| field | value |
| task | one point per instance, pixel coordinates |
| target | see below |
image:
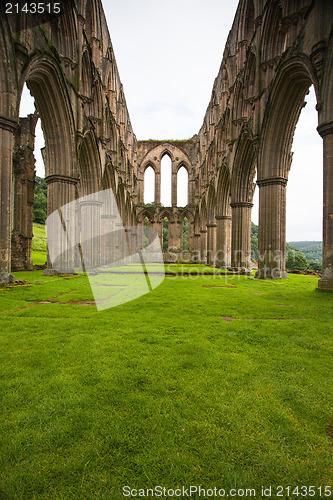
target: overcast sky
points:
(168, 55)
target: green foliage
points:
(254, 242)
(311, 249)
(299, 253)
(296, 261)
(40, 201)
(165, 234)
(164, 387)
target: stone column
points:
(197, 249)
(203, 245)
(272, 228)
(211, 243)
(173, 188)
(223, 241)
(91, 233)
(326, 282)
(24, 188)
(61, 229)
(157, 188)
(7, 128)
(108, 243)
(241, 234)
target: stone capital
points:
(325, 129)
(242, 204)
(223, 217)
(8, 124)
(272, 180)
(61, 178)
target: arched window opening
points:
(149, 186)
(182, 187)
(166, 181)
(30, 184)
(145, 232)
(255, 222)
(185, 233)
(165, 243)
(305, 182)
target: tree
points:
(254, 242)
(296, 262)
(40, 201)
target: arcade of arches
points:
(275, 51)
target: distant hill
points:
(311, 249)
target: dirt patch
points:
(228, 318)
(274, 319)
(227, 286)
(284, 305)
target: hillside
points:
(310, 250)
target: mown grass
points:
(38, 245)
(220, 380)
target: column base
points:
(242, 271)
(53, 272)
(6, 278)
(270, 274)
(325, 285)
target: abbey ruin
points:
(275, 51)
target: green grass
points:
(38, 246)
(166, 390)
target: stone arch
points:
(243, 170)
(223, 219)
(166, 151)
(67, 34)
(247, 21)
(242, 189)
(280, 120)
(143, 214)
(250, 77)
(211, 225)
(45, 82)
(273, 37)
(91, 20)
(89, 165)
(86, 75)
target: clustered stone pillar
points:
(241, 234)
(157, 196)
(272, 228)
(223, 241)
(326, 282)
(211, 243)
(203, 245)
(174, 189)
(7, 128)
(91, 232)
(61, 230)
(24, 188)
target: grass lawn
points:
(218, 381)
(38, 246)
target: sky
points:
(168, 55)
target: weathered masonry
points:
(275, 51)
